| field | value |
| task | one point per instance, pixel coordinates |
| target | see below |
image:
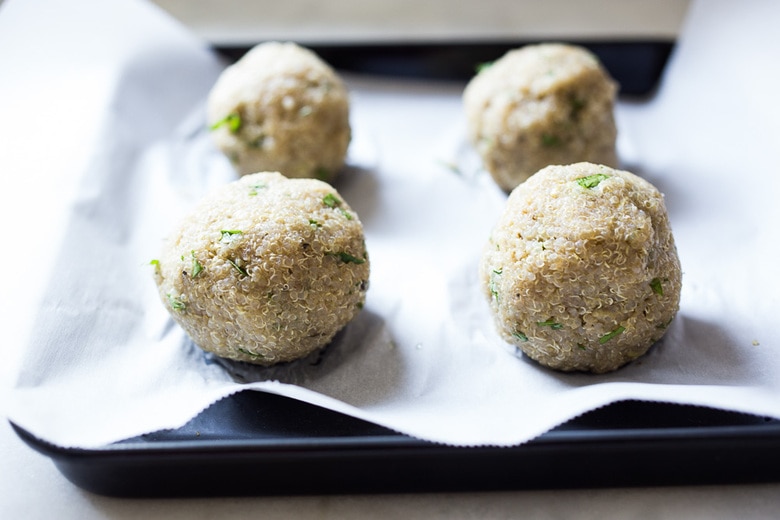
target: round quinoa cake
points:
(281, 108)
(581, 270)
(265, 269)
(539, 105)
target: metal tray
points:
(636, 65)
(254, 443)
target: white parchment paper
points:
(104, 361)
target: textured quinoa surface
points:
(540, 105)
(581, 271)
(266, 269)
(281, 108)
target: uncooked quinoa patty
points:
(541, 105)
(281, 108)
(266, 269)
(581, 270)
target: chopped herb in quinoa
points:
(550, 323)
(232, 121)
(228, 235)
(519, 335)
(591, 181)
(175, 303)
(655, 285)
(348, 258)
(197, 267)
(238, 268)
(610, 335)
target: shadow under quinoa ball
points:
(538, 105)
(581, 270)
(281, 108)
(266, 269)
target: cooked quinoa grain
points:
(581, 270)
(281, 108)
(266, 269)
(541, 105)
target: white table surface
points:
(31, 487)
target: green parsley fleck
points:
(493, 286)
(248, 353)
(228, 235)
(322, 173)
(608, 336)
(156, 264)
(483, 66)
(175, 303)
(255, 187)
(347, 258)
(519, 335)
(315, 223)
(591, 181)
(331, 200)
(576, 107)
(238, 268)
(554, 325)
(550, 140)
(232, 121)
(197, 268)
(655, 285)
(581, 346)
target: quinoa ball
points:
(581, 270)
(265, 269)
(281, 108)
(541, 105)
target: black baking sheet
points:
(255, 443)
(636, 65)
